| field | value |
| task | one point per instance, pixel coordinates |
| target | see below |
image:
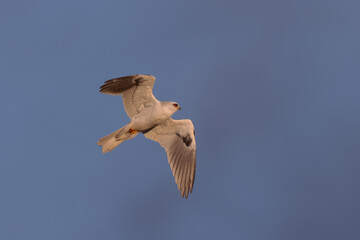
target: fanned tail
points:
(114, 139)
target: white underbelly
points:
(145, 120)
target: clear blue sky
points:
(273, 89)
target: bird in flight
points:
(152, 118)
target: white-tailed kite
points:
(153, 118)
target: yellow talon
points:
(132, 131)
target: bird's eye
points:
(175, 105)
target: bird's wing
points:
(178, 139)
(136, 91)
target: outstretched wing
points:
(136, 91)
(178, 139)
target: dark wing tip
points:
(118, 85)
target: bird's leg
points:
(132, 131)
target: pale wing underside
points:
(178, 139)
(136, 91)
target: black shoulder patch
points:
(139, 81)
(186, 139)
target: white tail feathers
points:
(114, 139)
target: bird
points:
(152, 118)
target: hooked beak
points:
(179, 108)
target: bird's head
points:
(172, 107)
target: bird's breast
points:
(147, 119)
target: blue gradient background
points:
(271, 86)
